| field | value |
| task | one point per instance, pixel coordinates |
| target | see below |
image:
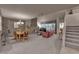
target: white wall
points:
(76, 9)
(51, 16)
(72, 20)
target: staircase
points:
(72, 37)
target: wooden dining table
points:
(20, 35)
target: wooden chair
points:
(25, 35)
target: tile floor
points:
(34, 45)
(68, 50)
(37, 45)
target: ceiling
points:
(28, 11)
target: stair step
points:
(72, 36)
(72, 45)
(73, 40)
(75, 34)
(72, 31)
(72, 26)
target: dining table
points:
(19, 34)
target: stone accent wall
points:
(27, 23)
(7, 24)
(34, 22)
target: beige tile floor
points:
(68, 50)
(37, 45)
(34, 45)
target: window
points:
(48, 26)
(17, 24)
(61, 25)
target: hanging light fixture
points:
(20, 22)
